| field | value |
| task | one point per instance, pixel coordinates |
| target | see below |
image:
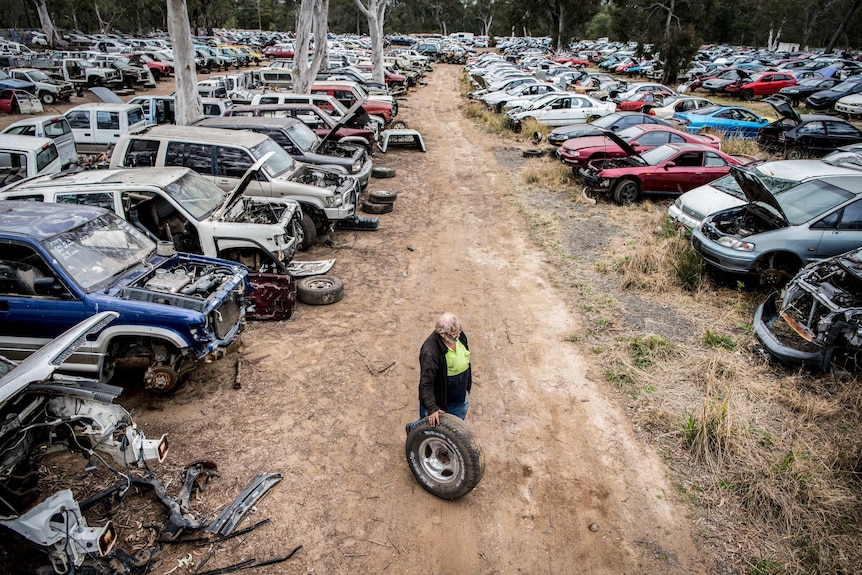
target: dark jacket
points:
(433, 371)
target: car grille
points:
(226, 316)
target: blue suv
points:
(60, 264)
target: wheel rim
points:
(319, 283)
(628, 192)
(438, 461)
(48, 98)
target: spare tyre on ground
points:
(319, 290)
(446, 460)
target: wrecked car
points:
(179, 207)
(45, 413)
(61, 263)
(668, 169)
(774, 235)
(817, 319)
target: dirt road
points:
(324, 397)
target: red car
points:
(671, 169)
(762, 84)
(643, 101)
(573, 61)
(278, 51)
(578, 152)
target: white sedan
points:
(850, 105)
(524, 92)
(561, 110)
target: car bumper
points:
(364, 174)
(682, 218)
(764, 320)
(848, 108)
(724, 259)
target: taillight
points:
(651, 112)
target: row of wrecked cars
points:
(794, 225)
(147, 270)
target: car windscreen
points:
(279, 163)
(628, 133)
(658, 155)
(302, 136)
(606, 121)
(809, 200)
(99, 249)
(197, 195)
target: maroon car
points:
(578, 152)
(669, 170)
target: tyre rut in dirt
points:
(382, 172)
(446, 460)
(309, 232)
(383, 196)
(377, 208)
(319, 290)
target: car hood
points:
(578, 131)
(582, 142)
(106, 95)
(233, 196)
(783, 108)
(754, 189)
(355, 116)
(624, 146)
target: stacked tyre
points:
(379, 202)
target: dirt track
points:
(324, 397)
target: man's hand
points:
(434, 418)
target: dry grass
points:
(763, 454)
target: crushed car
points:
(43, 413)
(817, 319)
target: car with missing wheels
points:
(670, 169)
(817, 318)
(62, 263)
(772, 236)
(797, 136)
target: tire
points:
(374, 208)
(627, 191)
(446, 460)
(746, 94)
(382, 197)
(97, 82)
(398, 125)
(309, 232)
(382, 172)
(794, 153)
(533, 153)
(319, 290)
(47, 98)
(156, 75)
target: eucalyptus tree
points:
(375, 13)
(313, 16)
(188, 100)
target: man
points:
(445, 378)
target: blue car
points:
(731, 121)
(62, 263)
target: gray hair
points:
(447, 323)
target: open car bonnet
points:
(355, 116)
(754, 189)
(624, 146)
(231, 198)
(106, 95)
(783, 107)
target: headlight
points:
(735, 244)
(572, 153)
(678, 204)
(603, 183)
(357, 165)
(334, 201)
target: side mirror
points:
(49, 286)
(669, 165)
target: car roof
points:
(37, 119)
(159, 177)
(256, 121)
(22, 143)
(800, 170)
(103, 106)
(40, 221)
(208, 135)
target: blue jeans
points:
(459, 411)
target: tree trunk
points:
(321, 30)
(560, 25)
(843, 26)
(301, 79)
(375, 13)
(188, 101)
(45, 21)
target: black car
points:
(610, 123)
(826, 99)
(806, 136)
(807, 87)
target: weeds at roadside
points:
(718, 341)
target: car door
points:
(840, 134)
(557, 112)
(841, 230)
(29, 316)
(687, 172)
(80, 121)
(812, 137)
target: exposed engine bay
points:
(323, 178)
(355, 152)
(744, 221)
(818, 318)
